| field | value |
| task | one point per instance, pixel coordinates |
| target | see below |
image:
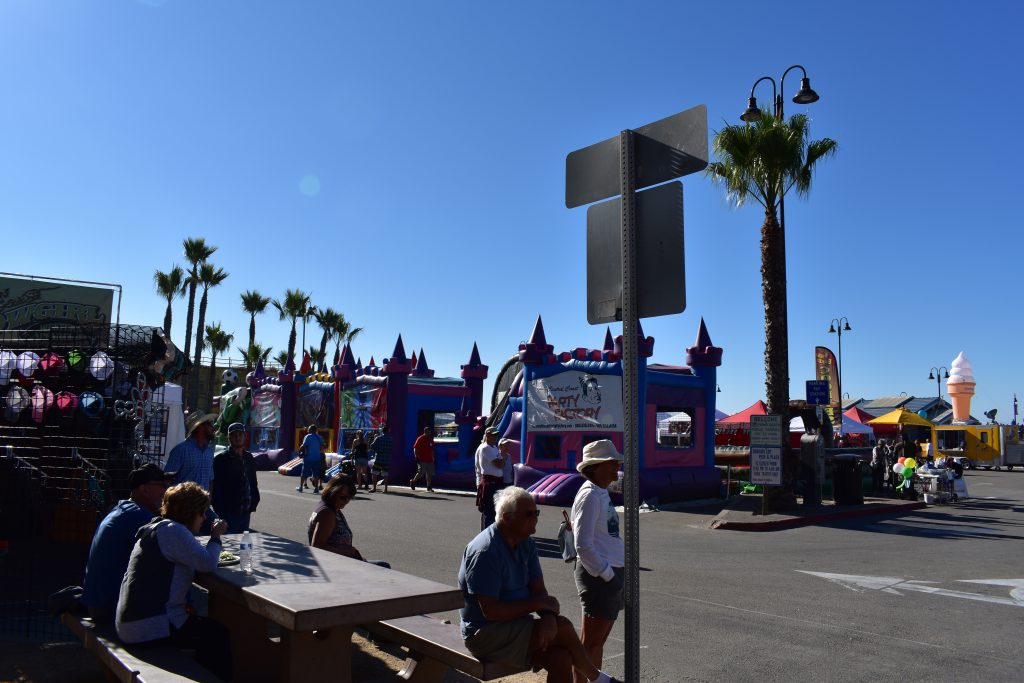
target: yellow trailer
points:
(988, 446)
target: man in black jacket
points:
(236, 493)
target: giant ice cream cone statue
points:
(961, 387)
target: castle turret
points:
(537, 350)
(422, 369)
(473, 374)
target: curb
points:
(792, 522)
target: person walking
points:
(311, 451)
(877, 466)
(508, 470)
(490, 470)
(423, 451)
(601, 554)
(236, 492)
(361, 457)
(382, 447)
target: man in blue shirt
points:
(115, 537)
(503, 586)
(192, 459)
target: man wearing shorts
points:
(503, 587)
(423, 450)
(381, 448)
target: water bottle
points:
(245, 552)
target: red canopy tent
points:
(734, 430)
(859, 415)
(743, 417)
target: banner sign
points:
(32, 304)
(826, 368)
(574, 401)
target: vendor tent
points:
(743, 417)
(902, 417)
(719, 414)
(859, 415)
(850, 426)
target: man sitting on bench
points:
(502, 586)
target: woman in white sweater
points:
(600, 552)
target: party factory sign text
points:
(575, 401)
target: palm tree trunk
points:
(194, 385)
(167, 319)
(776, 351)
(291, 342)
(252, 330)
(212, 379)
(323, 350)
(188, 317)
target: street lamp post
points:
(936, 373)
(805, 95)
(837, 327)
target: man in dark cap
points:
(115, 537)
(236, 492)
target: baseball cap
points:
(236, 427)
(147, 474)
(491, 430)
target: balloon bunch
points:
(904, 468)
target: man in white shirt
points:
(490, 471)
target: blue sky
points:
(404, 162)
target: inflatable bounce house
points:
(402, 393)
(551, 406)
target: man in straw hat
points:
(503, 587)
(192, 459)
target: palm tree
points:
(254, 354)
(209, 276)
(196, 252)
(295, 305)
(316, 357)
(282, 358)
(169, 286)
(253, 303)
(763, 161)
(328, 319)
(217, 341)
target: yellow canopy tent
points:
(901, 416)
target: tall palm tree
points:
(295, 305)
(328, 319)
(169, 286)
(762, 161)
(254, 354)
(217, 341)
(209, 276)
(196, 253)
(282, 358)
(339, 334)
(253, 303)
(316, 357)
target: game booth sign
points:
(551, 406)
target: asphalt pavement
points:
(913, 595)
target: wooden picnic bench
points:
(139, 664)
(434, 647)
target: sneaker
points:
(299, 489)
(430, 490)
(316, 489)
(412, 486)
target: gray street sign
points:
(661, 280)
(672, 147)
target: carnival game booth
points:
(902, 424)
(404, 394)
(551, 406)
(855, 434)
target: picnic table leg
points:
(254, 655)
(324, 655)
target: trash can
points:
(847, 480)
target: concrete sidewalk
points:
(743, 513)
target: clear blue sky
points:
(405, 162)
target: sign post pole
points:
(630, 398)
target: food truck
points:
(988, 446)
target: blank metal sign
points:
(661, 278)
